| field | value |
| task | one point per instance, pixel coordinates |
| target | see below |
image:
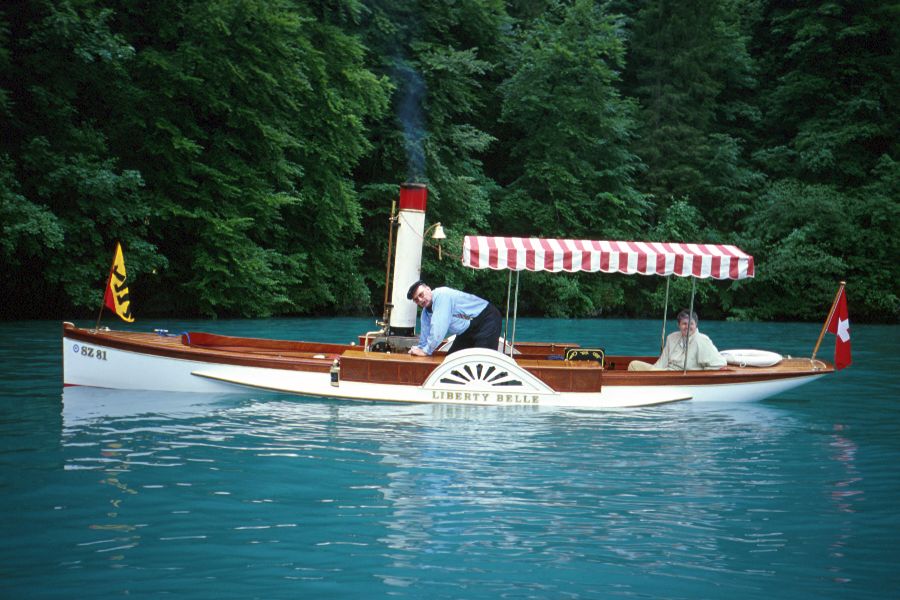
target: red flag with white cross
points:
(839, 325)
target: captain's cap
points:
(413, 288)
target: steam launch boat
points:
(378, 367)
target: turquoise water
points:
(113, 494)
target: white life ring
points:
(751, 358)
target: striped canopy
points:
(645, 258)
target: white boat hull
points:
(102, 366)
(93, 364)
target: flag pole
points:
(103, 297)
(828, 319)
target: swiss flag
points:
(839, 325)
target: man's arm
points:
(420, 348)
(425, 328)
(439, 323)
(708, 355)
(663, 361)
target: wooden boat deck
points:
(298, 356)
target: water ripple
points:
(264, 496)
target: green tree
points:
(246, 152)
(830, 110)
(570, 172)
(808, 237)
(440, 58)
(251, 116)
(66, 196)
(829, 144)
(689, 67)
(26, 228)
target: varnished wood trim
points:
(171, 347)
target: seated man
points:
(701, 352)
(446, 311)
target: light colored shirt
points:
(701, 353)
(450, 313)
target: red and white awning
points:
(645, 258)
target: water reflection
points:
(82, 405)
(845, 495)
(118, 493)
(120, 433)
(555, 485)
(515, 496)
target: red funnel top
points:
(413, 196)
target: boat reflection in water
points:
(552, 481)
(404, 485)
(82, 405)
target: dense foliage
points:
(246, 152)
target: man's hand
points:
(416, 351)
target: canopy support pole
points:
(506, 326)
(662, 338)
(687, 339)
(515, 316)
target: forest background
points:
(246, 152)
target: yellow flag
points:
(116, 298)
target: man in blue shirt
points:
(446, 311)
